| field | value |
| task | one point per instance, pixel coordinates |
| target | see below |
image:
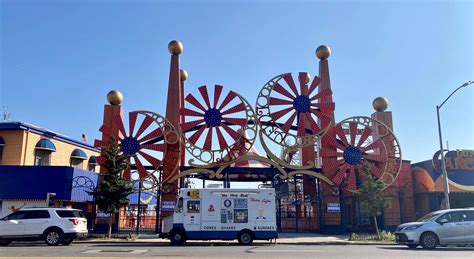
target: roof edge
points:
(17, 125)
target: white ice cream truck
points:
(222, 214)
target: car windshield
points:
(428, 217)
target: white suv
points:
(53, 225)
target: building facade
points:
(23, 144)
(35, 161)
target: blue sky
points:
(60, 58)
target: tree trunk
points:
(110, 224)
(376, 227)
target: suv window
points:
(469, 215)
(16, 215)
(29, 214)
(70, 214)
(452, 217)
(37, 214)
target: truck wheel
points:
(245, 238)
(429, 240)
(53, 237)
(177, 238)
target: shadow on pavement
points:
(440, 249)
(188, 244)
(25, 244)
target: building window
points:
(42, 157)
(77, 158)
(2, 144)
(1, 154)
(77, 163)
(43, 150)
(92, 163)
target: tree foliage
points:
(113, 190)
(370, 193)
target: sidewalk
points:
(283, 238)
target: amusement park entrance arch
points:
(293, 113)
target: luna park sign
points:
(458, 160)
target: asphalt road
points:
(220, 250)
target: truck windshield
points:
(179, 205)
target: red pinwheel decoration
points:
(307, 105)
(350, 143)
(143, 145)
(220, 119)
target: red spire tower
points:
(172, 156)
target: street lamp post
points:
(443, 163)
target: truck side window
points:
(179, 206)
(194, 206)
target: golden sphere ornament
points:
(114, 97)
(323, 52)
(175, 47)
(183, 74)
(380, 104)
(307, 79)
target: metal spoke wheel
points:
(429, 240)
(215, 132)
(148, 132)
(294, 116)
(356, 141)
(53, 237)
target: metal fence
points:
(142, 221)
(288, 222)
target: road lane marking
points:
(93, 251)
(287, 251)
(257, 249)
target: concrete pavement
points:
(230, 250)
(283, 238)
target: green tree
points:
(113, 190)
(370, 193)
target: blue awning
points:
(2, 142)
(92, 160)
(45, 144)
(77, 153)
(34, 182)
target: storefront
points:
(28, 186)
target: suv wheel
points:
(67, 242)
(5, 242)
(429, 240)
(53, 237)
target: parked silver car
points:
(443, 227)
